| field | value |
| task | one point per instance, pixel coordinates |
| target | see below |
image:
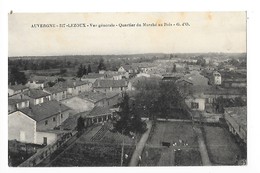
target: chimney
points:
(74, 83)
(60, 108)
(30, 110)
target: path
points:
(140, 146)
(202, 148)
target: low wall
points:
(43, 153)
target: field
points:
(184, 152)
(93, 154)
(187, 158)
(99, 147)
(173, 132)
(222, 148)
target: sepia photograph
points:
(127, 89)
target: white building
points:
(216, 78)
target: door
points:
(44, 140)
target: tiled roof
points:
(214, 91)
(98, 111)
(36, 93)
(93, 96)
(112, 73)
(235, 80)
(111, 94)
(14, 101)
(93, 76)
(196, 78)
(45, 110)
(103, 83)
(43, 78)
(239, 114)
(71, 122)
(17, 87)
(71, 83)
(127, 67)
(54, 89)
(143, 65)
(184, 79)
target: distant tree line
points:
(82, 70)
(16, 77)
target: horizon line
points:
(126, 54)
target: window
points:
(210, 100)
(46, 122)
(54, 119)
(61, 116)
(194, 105)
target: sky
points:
(208, 32)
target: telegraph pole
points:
(122, 154)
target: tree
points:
(84, 71)
(221, 103)
(80, 124)
(130, 120)
(123, 123)
(174, 68)
(137, 125)
(101, 65)
(201, 61)
(80, 71)
(50, 84)
(89, 69)
(17, 77)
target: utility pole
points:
(122, 154)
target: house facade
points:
(57, 93)
(195, 103)
(128, 70)
(21, 127)
(36, 84)
(16, 89)
(36, 96)
(97, 115)
(92, 77)
(105, 86)
(16, 104)
(48, 115)
(216, 78)
(75, 87)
